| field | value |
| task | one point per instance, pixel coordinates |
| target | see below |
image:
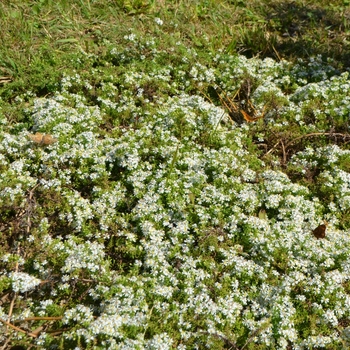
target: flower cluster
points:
(155, 219)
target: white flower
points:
(158, 21)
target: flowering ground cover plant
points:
(159, 219)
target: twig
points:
(272, 149)
(5, 344)
(33, 334)
(318, 134)
(284, 153)
(276, 53)
(31, 193)
(15, 294)
(8, 324)
(285, 146)
(38, 318)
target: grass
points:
(162, 218)
(38, 38)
